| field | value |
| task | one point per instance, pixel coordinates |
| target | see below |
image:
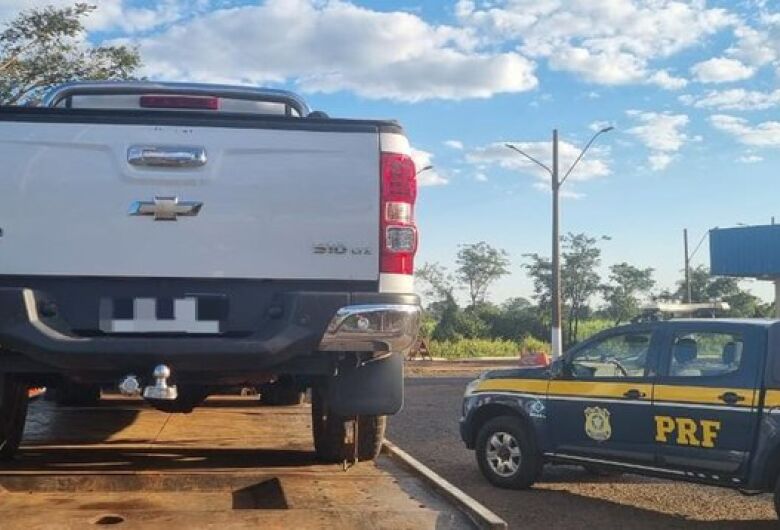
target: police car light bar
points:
(676, 308)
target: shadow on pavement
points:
(86, 458)
(570, 510)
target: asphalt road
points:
(566, 497)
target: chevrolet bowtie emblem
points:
(166, 208)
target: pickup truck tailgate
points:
(275, 202)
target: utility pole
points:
(687, 268)
(556, 340)
(556, 337)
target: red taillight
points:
(398, 231)
(179, 102)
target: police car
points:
(688, 399)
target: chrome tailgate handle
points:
(166, 156)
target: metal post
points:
(688, 294)
(556, 339)
(777, 297)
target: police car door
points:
(704, 407)
(599, 409)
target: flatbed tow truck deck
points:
(229, 464)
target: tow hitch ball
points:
(161, 390)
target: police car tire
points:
(530, 462)
(13, 413)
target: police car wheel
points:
(506, 453)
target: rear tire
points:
(282, 393)
(507, 454)
(333, 434)
(13, 413)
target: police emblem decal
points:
(597, 424)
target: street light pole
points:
(688, 258)
(556, 340)
(556, 336)
(688, 294)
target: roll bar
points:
(82, 88)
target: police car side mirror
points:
(558, 369)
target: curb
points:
(479, 515)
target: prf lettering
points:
(685, 431)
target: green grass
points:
(470, 348)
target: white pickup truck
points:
(175, 239)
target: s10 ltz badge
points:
(597, 424)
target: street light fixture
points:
(689, 257)
(424, 168)
(556, 337)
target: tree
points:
(438, 283)
(540, 271)
(517, 319)
(479, 265)
(45, 46)
(440, 289)
(579, 279)
(627, 283)
(708, 288)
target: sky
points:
(691, 88)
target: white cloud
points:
(721, 70)
(481, 177)
(750, 159)
(334, 46)
(599, 125)
(122, 15)
(734, 99)
(659, 161)
(765, 134)
(454, 144)
(608, 42)
(594, 165)
(430, 177)
(662, 133)
(754, 46)
(665, 80)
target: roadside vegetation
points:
(592, 300)
(47, 46)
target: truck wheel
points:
(507, 454)
(13, 413)
(777, 498)
(70, 394)
(331, 433)
(283, 392)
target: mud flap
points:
(373, 389)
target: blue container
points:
(749, 252)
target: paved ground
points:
(230, 464)
(566, 497)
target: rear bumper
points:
(308, 322)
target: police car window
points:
(705, 354)
(624, 355)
